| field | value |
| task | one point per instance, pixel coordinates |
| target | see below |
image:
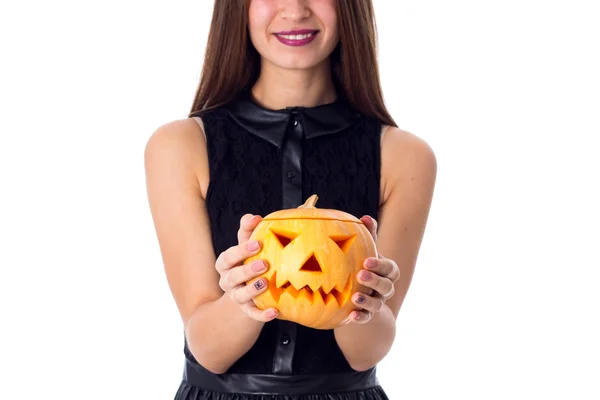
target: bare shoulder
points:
(407, 147)
(180, 147)
(405, 159)
(181, 139)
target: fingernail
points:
(271, 313)
(365, 276)
(253, 245)
(360, 299)
(259, 284)
(370, 263)
(258, 266)
(356, 316)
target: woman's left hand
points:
(379, 275)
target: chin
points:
(298, 65)
(297, 62)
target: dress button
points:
(291, 174)
(295, 122)
(285, 339)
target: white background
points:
(505, 299)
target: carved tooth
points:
(331, 306)
(319, 304)
(306, 295)
(339, 297)
(343, 293)
(346, 286)
(315, 287)
(292, 291)
(297, 281)
(280, 280)
(298, 288)
(287, 301)
(329, 299)
(327, 287)
(318, 299)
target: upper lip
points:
(297, 32)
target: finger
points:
(346, 321)
(257, 314)
(383, 286)
(371, 225)
(368, 303)
(247, 224)
(245, 293)
(243, 273)
(383, 267)
(360, 317)
(239, 275)
(235, 255)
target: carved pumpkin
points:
(313, 257)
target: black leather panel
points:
(292, 163)
(256, 384)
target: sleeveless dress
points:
(261, 161)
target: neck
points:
(278, 88)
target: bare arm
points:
(218, 331)
(409, 171)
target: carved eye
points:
(283, 237)
(343, 242)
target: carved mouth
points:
(313, 296)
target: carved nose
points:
(311, 265)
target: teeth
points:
(333, 295)
(297, 37)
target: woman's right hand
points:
(234, 274)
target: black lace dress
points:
(261, 161)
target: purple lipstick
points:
(300, 37)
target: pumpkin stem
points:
(310, 202)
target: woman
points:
(289, 104)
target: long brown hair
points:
(232, 64)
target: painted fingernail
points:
(365, 275)
(360, 299)
(258, 266)
(370, 263)
(252, 246)
(259, 284)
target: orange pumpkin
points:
(313, 257)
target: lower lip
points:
(301, 42)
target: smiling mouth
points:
(297, 38)
(296, 35)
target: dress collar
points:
(272, 125)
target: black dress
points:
(261, 161)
